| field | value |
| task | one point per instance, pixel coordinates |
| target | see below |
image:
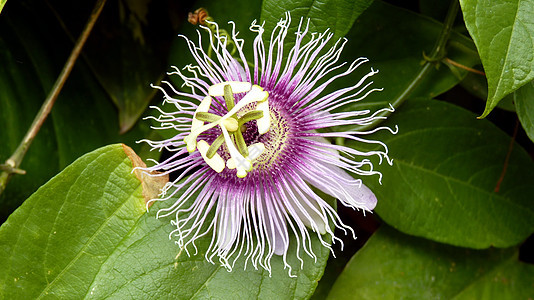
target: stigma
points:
(253, 106)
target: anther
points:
(229, 97)
(240, 143)
(207, 117)
(251, 115)
(215, 146)
(204, 106)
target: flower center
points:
(253, 106)
(274, 141)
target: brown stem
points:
(507, 159)
(11, 165)
(459, 65)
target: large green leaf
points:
(395, 266)
(394, 40)
(335, 15)
(52, 244)
(86, 234)
(504, 35)
(446, 167)
(524, 101)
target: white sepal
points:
(264, 123)
(216, 162)
(237, 87)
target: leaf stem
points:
(468, 69)
(437, 54)
(507, 159)
(11, 165)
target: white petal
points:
(216, 162)
(256, 94)
(279, 237)
(255, 150)
(355, 194)
(264, 123)
(204, 106)
(229, 225)
(366, 196)
(237, 87)
(313, 219)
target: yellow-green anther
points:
(249, 116)
(207, 117)
(217, 163)
(204, 106)
(240, 143)
(229, 97)
(215, 146)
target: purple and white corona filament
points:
(250, 145)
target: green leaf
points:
(446, 167)
(54, 243)
(335, 15)
(524, 101)
(477, 86)
(394, 40)
(86, 234)
(396, 266)
(504, 35)
(2, 3)
(509, 280)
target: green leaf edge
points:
(2, 3)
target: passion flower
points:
(251, 142)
